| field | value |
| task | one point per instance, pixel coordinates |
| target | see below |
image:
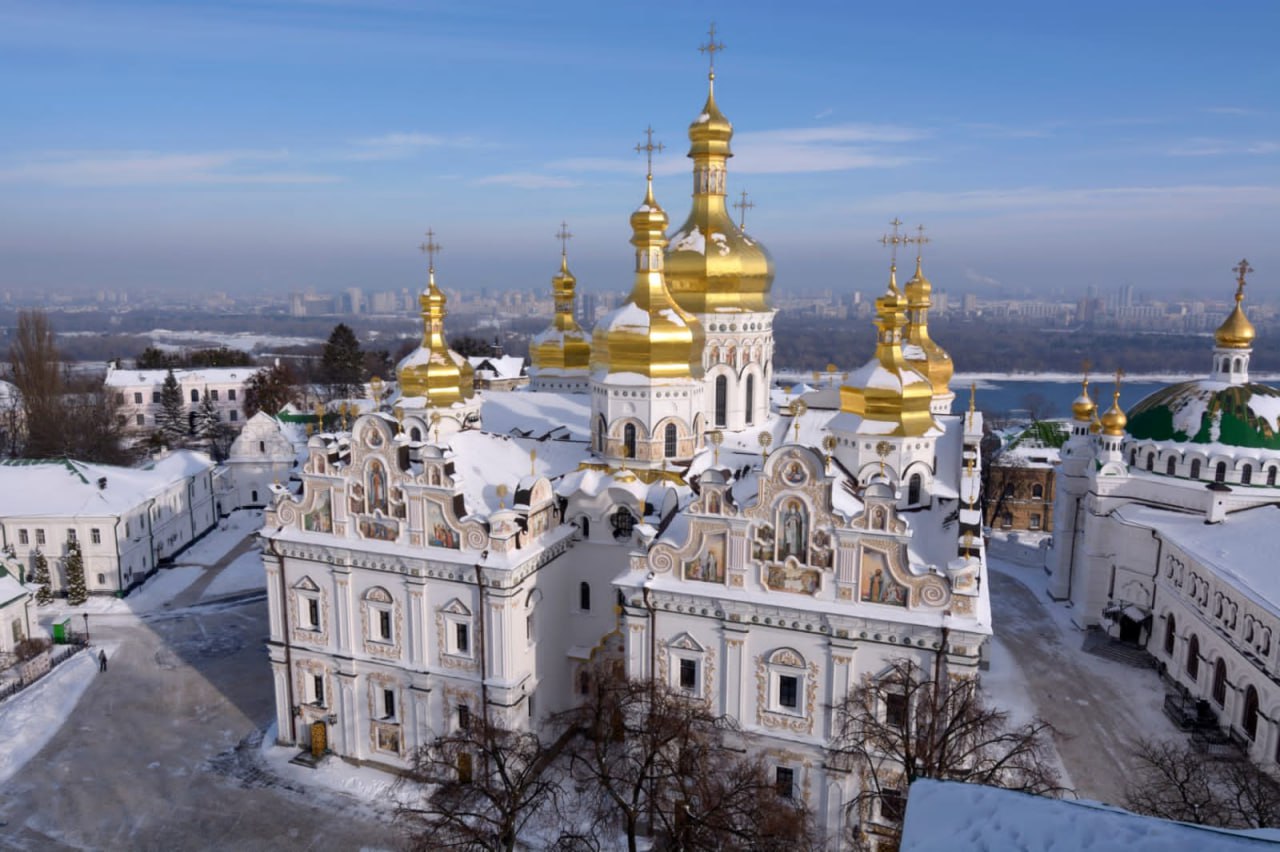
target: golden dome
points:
(712, 265)
(564, 345)
(1084, 408)
(888, 388)
(650, 335)
(1095, 425)
(1236, 332)
(1114, 419)
(922, 353)
(433, 371)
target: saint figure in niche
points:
(794, 536)
(377, 488)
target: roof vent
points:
(102, 483)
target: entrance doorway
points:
(319, 739)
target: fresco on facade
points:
(439, 533)
(793, 531)
(377, 488)
(792, 578)
(762, 544)
(319, 519)
(708, 565)
(379, 529)
(878, 585)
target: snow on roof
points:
(66, 488)
(943, 816)
(692, 241)
(10, 589)
(502, 366)
(207, 375)
(1240, 550)
(536, 413)
(485, 461)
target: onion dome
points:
(712, 265)
(1095, 425)
(1084, 408)
(888, 389)
(1208, 412)
(922, 353)
(433, 371)
(650, 335)
(564, 346)
(1236, 332)
(1114, 419)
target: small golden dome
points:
(563, 346)
(923, 353)
(1236, 332)
(1095, 426)
(650, 335)
(1114, 419)
(433, 371)
(710, 132)
(1084, 409)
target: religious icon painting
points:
(793, 531)
(708, 565)
(878, 585)
(439, 533)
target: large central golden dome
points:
(712, 265)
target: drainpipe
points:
(284, 629)
(480, 647)
(115, 535)
(1155, 575)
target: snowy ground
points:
(370, 786)
(26, 723)
(245, 573)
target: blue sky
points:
(274, 145)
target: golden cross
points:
(968, 540)
(711, 48)
(430, 247)
(973, 396)
(648, 148)
(918, 241)
(1242, 270)
(743, 206)
(894, 239)
(564, 236)
(533, 462)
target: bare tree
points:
(1174, 781)
(481, 786)
(912, 723)
(37, 373)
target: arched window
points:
(1193, 657)
(415, 434)
(1133, 457)
(1151, 461)
(1238, 366)
(751, 399)
(1220, 682)
(584, 596)
(913, 489)
(1170, 634)
(1008, 491)
(1271, 476)
(195, 396)
(623, 523)
(669, 441)
(1195, 468)
(1246, 475)
(722, 399)
(1037, 492)
(1220, 472)
(629, 440)
(1249, 715)
(601, 436)
(1171, 466)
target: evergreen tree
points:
(40, 576)
(73, 564)
(206, 418)
(269, 390)
(342, 365)
(171, 420)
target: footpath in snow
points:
(29, 719)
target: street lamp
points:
(86, 627)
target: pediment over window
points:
(306, 584)
(378, 595)
(685, 642)
(786, 657)
(455, 607)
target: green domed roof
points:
(1209, 412)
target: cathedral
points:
(1165, 526)
(649, 498)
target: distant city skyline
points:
(274, 146)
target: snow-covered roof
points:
(944, 816)
(536, 413)
(502, 366)
(1240, 550)
(10, 589)
(66, 488)
(485, 460)
(207, 375)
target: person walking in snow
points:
(102, 661)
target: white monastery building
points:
(136, 393)
(459, 552)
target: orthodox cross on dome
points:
(648, 148)
(711, 48)
(918, 241)
(742, 207)
(895, 239)
(564, 236)
(430, 248)
(1241, 271)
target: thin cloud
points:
(396, 146)
(1212, 147)
(528, 180)
(976, 277)
(1232, 110)
(663, 166)
(826, 113)
(1154, 201)
(149, 168)
(986, 130)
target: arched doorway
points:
(722, 399)
(1220, 682)
(319, 739)
(1249, 716)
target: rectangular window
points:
(464, 717)
(788, 691)
(1035, 522)
(688, 674)
(895, 710)
(317, 689)
(231, 396)
(155, 397)
(140, 419)
(528, 628)
(95, 535)
(213, 395)
(71, 536)
(39, 536)
(22, 537)
(384, 624)
(235, 415)
(313, 613)
(119, 399)
(137, 398)
(461, 639)
(892, 806)
(785, 781)
(388, 703)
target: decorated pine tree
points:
(40, 576)
(171, 419)
(206, 418)
(73, 564)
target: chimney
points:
(102, 483)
